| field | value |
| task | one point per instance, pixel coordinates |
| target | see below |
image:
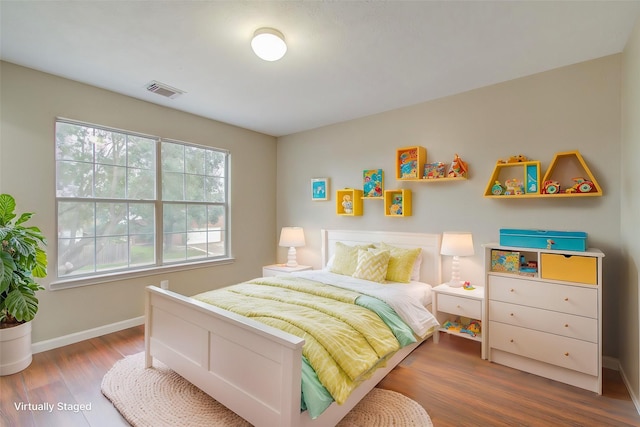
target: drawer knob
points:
(511, 340)
(512, 290)
(566, 325)
(458, 306)
(511, 314)
(566, 353)
(566, 298)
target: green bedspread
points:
(344, 341)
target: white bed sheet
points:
(407, 299)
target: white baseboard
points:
(611, 363)
(634, 398)
(45, 345)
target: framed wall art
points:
(319, 189)
(373, 180)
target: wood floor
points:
(448, 379)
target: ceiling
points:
(345, 59)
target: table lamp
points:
(456, 244)
(292, 237)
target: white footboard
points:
(249, 367)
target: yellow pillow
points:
(400, 263)
(372, 265)
(346, 258)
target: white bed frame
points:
(251, 368)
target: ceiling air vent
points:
(164, 90)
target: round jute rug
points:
(160, 397)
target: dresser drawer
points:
(569, 268)
(581, 301)
(460, 306)
(569, 353)
(568, 325)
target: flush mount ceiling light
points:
(268, 44)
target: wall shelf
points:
(410, 163)
(526, 173)
(569, 170)
(349, 194)
(397, 202)
(567, 176)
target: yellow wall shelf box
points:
(410, 163)
(397, 202)
(349, 202)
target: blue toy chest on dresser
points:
(544, 239)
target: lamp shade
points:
(457, 244)
(268, 44)
(292, 237)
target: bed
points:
(255, 369)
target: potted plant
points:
(22, 260)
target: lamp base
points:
(455, 283)
(291, 257)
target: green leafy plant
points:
(23, 259)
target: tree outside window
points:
(109, 216)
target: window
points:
(127, 201)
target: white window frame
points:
(160, 266)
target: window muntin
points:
(109, 218)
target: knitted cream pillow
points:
(372, 265)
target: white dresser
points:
(547, 322)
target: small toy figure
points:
(473, 328)
(451, 325)
(514, 186)
(581, 185)
(396, 206)
(497, 189)
(434, 170)
(550, 187)
(459, 167)
(467, 331)
(515, 159)
(467, 286)
(347, 204)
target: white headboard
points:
(430, 270)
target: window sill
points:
(146, 272)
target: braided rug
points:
(159, 397)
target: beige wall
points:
(575, 107)
(628, 335)
(29, 105)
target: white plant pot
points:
(15, 348)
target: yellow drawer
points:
(569, 268)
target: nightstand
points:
(449, 303)
(280, 269)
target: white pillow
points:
(415, 271)
(330, 262)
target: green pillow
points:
(372, 265)
(346, 258)
(400, 263)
